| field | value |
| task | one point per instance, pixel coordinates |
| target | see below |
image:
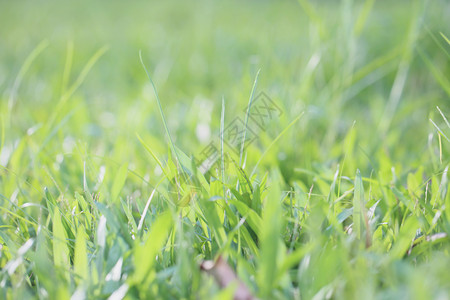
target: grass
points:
(114, 186)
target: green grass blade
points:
(270, 240)
(250, 101)
(147, 205)
(84, 72)
(358, 205)
(363, 16)
(145, 255)
(445, 38)
(405, 238)
(23, 70)
(119, 182)
(161, 112)
(440, 78)
(80, 266)
(439, 130)
(153, 155)
(222, 158)
(60, 248)
(443, 117)
(67, 67)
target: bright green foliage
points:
(342, 195)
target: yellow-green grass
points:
(342, 194)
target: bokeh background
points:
(380, 67)
(200, 51)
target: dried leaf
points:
(225, 276)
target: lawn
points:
(213, 149)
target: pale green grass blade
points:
(403, 69)
(23, 70)
(56, 111)
(67, 67)
(374, 65)
(80, 265)
(440, 78)
(311, 12)
(250, 101)
(270, 243)
(439, 130)
(443, 117)
(161, 112)
(83, 74)
(438, 43)
(127, 209)
(153, 155)
(445, 38)
(147, 204)
(60, 248)
(358, 205)
(2, 132)
(145, 255)
(119, 182)
(363, 16)
(222, 158)
(19, 217)
(405, 238)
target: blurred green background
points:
(326, 58)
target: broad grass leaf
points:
(60, 248)
(145, 255)
(405, 238)
(81, 259)
(270, 239)
(253, 219)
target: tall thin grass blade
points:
(161, 112)
(358, 205)
(250, 101)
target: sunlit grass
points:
(338, 188)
